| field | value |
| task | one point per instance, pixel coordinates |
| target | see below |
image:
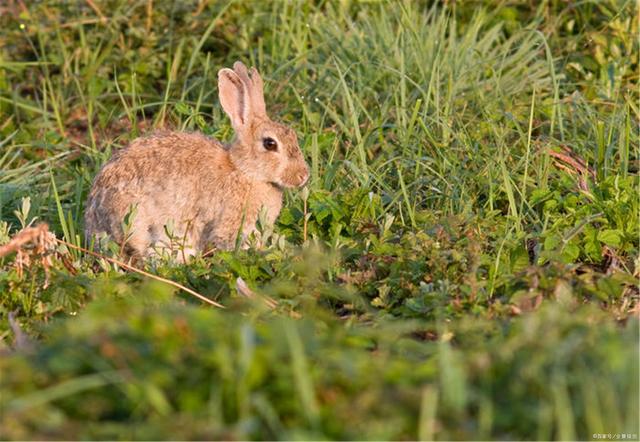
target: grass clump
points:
(223, 375)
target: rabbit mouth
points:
(278, 186)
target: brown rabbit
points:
(208, 192)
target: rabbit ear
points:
(234, 97)
(257, 93)
(254, 84)
(240, 69)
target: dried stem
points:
(142, 272)
(24, 237)
(245, 291)
(304, 226)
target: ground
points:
(462, 265)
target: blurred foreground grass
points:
(469, 267)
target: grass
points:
(462, 265)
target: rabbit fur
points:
(208, 193)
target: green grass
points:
(463, 265)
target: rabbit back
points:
(165, 179)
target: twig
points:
(306, 220)
(149, 15)
(245, 291)
(573, 165)
(97, 10)
(142, 272)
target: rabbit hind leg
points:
(177, 246)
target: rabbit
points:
(207, 192)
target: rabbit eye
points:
(270, 144)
